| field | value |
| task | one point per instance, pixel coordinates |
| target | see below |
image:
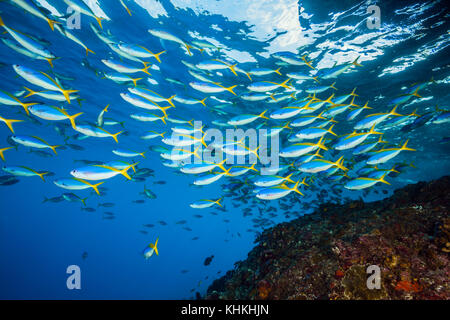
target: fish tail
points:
(195, 153)
(356, 63)
(332, 86)
(333, 121)
(221, 163)
(414, 114)
(41, 175)
(304, 182)
(163, 119)
(317, 153)
(353, 92)
(288, 178)
(203, 101)
(124, 172)
(340, 164)
(169, 100)
(252, 167)
(382, 179)
(72, 119)
(95, 187)
(50, 61)
(106, 108)
(284, 84)
(393, 169)
(135, 81)
(99, 21)
(115, 136)
(89, 50)
(67, 93)
(230, 89)
(380, 140)
(273, 98)
(372, 130)
(51, 23)
(218, 201)
(321, 145)
(316, 79)
(155, 247)
(83, 201)
(320, 116)
(295, 188)
(27, 105)
(30, 92)
(156, 55)
(366, 106)
(249, 76)
(330, 130)
(145, 69)
(54, 148)
(262, 115)
(9, 123)
(2, 24)
(329, 98)
(188, 47)
(2, 150)
(277, 71)
(142, 154)
(404, 147)
(308, 63)
(395, 113)
(415, 94)
(232, 69)
(352, 102)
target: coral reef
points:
(325, 255)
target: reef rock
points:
(325, 255)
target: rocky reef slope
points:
(325, 255)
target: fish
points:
(29, 43)
(165, 35)
(211, 87)
(43, 80)
(363, 183)
(23, 171)
(128, 153)
(215, 64)
(33, 142)
(384, 155)
(35, 10)
(335, 71)
(92, 130)
(203, 204)
(374, 119)
(100, 172)
(8, 180)
(277, 192)
(53, 113)
(80, 6)
(123, 67)
(77, 184)
(151, 249)
(74, 198)
(267, 86)
(246, 119)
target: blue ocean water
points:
(39, 240)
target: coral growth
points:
(325, 255)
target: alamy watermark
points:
(374, 21)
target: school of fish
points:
(294, 100)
